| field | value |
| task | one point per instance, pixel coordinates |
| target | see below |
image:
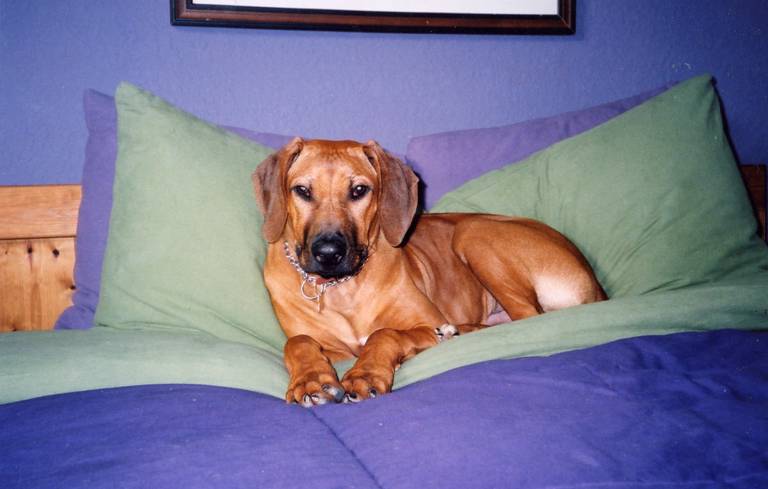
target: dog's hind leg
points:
(526, 266)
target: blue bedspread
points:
(685, 410)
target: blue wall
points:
(384, 86)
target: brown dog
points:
(343, 283)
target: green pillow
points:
(653, 197)
(185, 247)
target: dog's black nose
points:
(329, 249)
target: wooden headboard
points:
(755, 180)
(38, 225)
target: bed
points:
(152, 358)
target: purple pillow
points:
(96, 204)
(446, 160)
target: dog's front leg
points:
(374, 371)
(313, 378)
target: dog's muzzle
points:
(331, 255)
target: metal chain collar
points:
(318, 289)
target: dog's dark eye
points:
(302, 192)
(358, 192)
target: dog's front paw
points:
(314, 389)
(361, 383)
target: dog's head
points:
(330, 200)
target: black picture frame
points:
(188, 13)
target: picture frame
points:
(414, 16)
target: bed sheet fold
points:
(38, 364)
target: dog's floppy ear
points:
(399, 193)
(269, 186)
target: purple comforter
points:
(687, 410)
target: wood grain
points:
(39, 211)
(36, 282)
